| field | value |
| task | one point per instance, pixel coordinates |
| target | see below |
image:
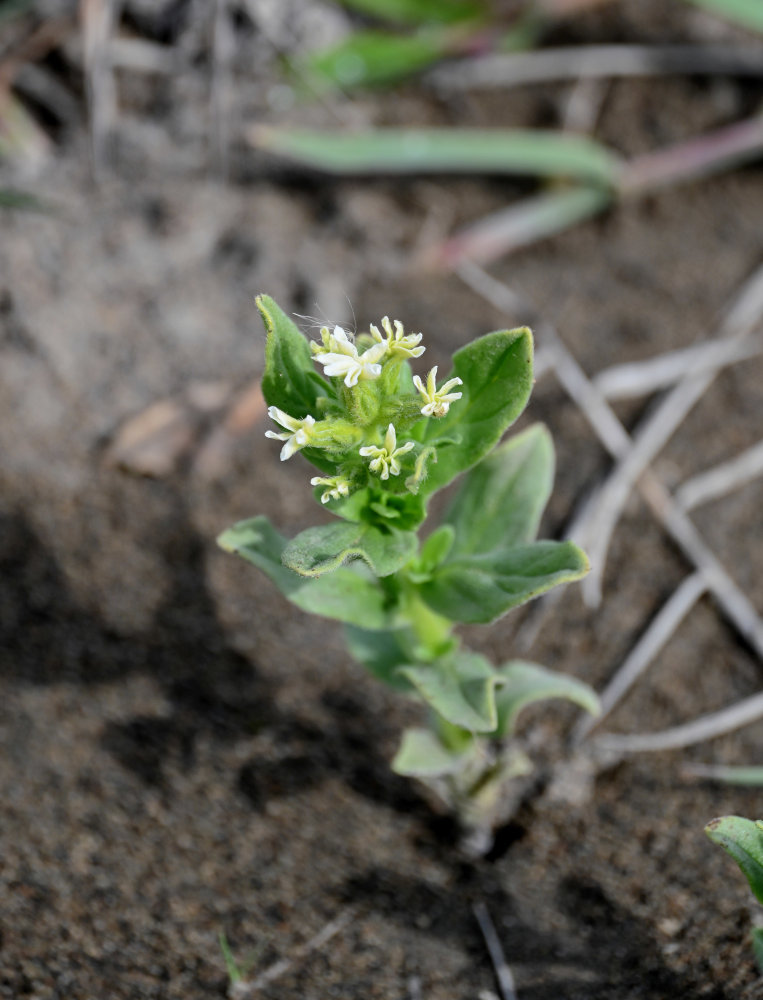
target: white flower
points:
(437, 400)
(344, 359)
(385, 460)
(336, 487)
(298, 431)
(398, 342)
(338, 342)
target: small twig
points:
(414, 988)
(223, 47)
(642, 378)
(706, 727)
(721, 479)
(602, 418)
(597, 61)
(243, 989)
(495, 950)
(654, 432)
(662, 627)
(98, 20)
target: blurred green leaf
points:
(743, 840)
(375, 58)
(444, 150)
(423, 755)
(22, 201)
(13, 8)
(747, 13)
(381, 653)
(419, 11)
(757, 945)
(729, 775)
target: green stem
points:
(432, 631)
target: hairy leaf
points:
(481, 588)
(419, 11)
(381, 653)
(496, 371)
(422, 755)
(290, 381)
(525, 683)
(502, 498)
(743, 840)
(461, 689)
(348, 595)
(324, 548)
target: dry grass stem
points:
(660, 630)
(657, 429)
(99, 18)
(641, 378)
(223, 48)
(242, 989)
(602, 418)
(495, 950)
(597, 61)
(721, 479)
(706, 727)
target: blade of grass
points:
(21, 201)
(728, 775)
(521, 224)
(747, 13)
(376, 58)
(446, 150)
(419, 11)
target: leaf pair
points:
(743, 840)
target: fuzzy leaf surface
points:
(502, 499)
(324, 548)
(461, 689)
(481, 588)
(497, 375)
(290, 381)
(422, 755)
(525, 683)
(743, 840)
(347, 595)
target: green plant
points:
(384, 441)
(743, 840)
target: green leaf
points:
(461, 689)
(375, 58)
(418, 11)
(524, 683)
(444, 150)
(22, 201)
(729, 775)
(381, 653)
(290, 381)
(347, 595)
(497, 375)
(502, 499)
(481, 588)
(234, 973)
(743, 840)
(324, 548)
(748, 13)
(422, 755)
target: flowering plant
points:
(384, 441)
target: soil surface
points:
(183, 752)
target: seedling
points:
(743, 840)
(383, 442)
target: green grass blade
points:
(419, 11)
(445, 150)
(747, 13)
(376, 58)
(21, 201)
(728, 775)
(234, 973)
(520, 225)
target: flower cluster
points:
(343, 360)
